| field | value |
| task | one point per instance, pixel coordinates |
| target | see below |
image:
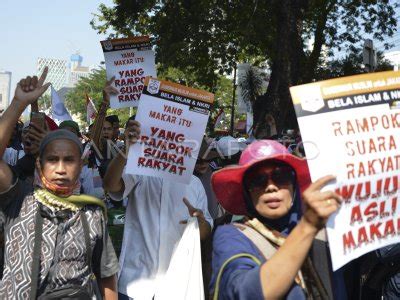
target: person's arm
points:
(108, 287)
(28, 91)
(112, 181)
(101, 114)
(277, 274)
(204, 226)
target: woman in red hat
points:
(269, 255)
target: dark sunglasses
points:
(281, 176)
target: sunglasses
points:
(281, 176)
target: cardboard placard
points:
(351, 128)
(173, 119)
(130, 60)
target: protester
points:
(72, 126)
(266, 187)
(152, 222)
(87, 176)
(114, 120)
(54, 238)
(203, 171)
(108, 130)
(229, 150)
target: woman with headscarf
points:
(269, 254)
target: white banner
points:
(130, 60)
(173, 119)
(350, 128)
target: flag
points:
(58, 109)
(219, 117)
(91, 111)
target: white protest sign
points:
(130, 60)
(173, 119)
(351, 128)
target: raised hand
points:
(132, 133)
(193, 212)
(30, 89)
(320, 205)
(109, 90)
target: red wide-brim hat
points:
(227, 183)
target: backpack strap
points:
(36, 254)
(86, 232)
(226, 262)
(263, 245)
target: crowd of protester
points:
(261, 219)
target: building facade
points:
(57, 74)
(5, 89)
(63, 73)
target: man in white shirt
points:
(153, 221)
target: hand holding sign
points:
(109, 90)
(132, 132)
(320, 205)
(205, 228)
(30, 89)
(193, 212)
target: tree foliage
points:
(205, 36)
(93, 85)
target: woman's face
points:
(271, 189)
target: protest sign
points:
(173, 119)
(130, 60)
(351, 128)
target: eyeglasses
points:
(281, 176)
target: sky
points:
(44, 28)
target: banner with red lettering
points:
(351, 128)
(173, 119)
(130, 60)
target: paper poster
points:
(351, 128)
(130, 60)
(173, 119)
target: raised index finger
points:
(188, 205)
(43, 76)
(321, 182)
(109, 82)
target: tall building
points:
(5, 89)
(63, 74)
(57, 74)
(76, 70)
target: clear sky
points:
(46, 28)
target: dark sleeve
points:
(14, 195)
(105, 261)
(389, 253)
(241, 277)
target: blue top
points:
(241, 277)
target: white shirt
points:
(152, 229)
(11, 156)
(86, 179)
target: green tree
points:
(75, 100)
(213, 35)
